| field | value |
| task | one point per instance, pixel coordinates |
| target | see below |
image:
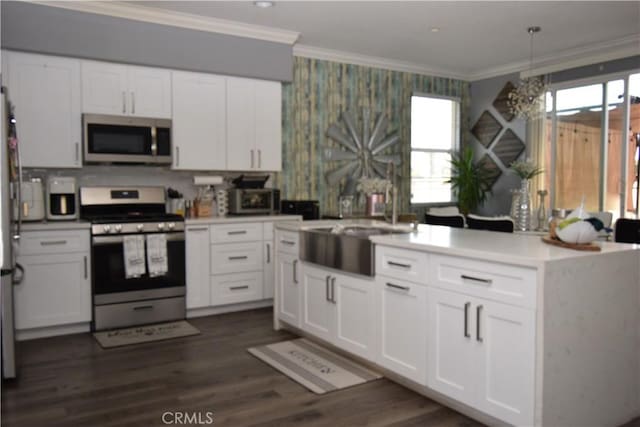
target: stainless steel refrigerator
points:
(11, 175)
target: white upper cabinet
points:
(46, 93)
(125, 90)
(254, 136)
(199, 121)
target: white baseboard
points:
(52, 331)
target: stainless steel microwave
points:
(254, 201)
(119, 139)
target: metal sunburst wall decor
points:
(362, 155)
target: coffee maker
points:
(62, 198)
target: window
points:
(435, 133)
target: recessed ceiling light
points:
(263, 4)
(434, 29)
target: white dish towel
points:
(157, 254)
(134, 265)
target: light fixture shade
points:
(527, 98)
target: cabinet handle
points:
(53, 242)
(251, 159)
(466, 320)
(133, 103)
(295, 271)
(143, 307)
(198, 229)
(231, 233)
(177, 156)
(326, 288)
(476, 279)
(124, 102)
(86, 272)
(478, 312)
(268, 253)
(402, 288)
(287, 242)
(237, 288)
(77, 152)
(397, 264)
(234, 258)
(333, 290)
(259, 158)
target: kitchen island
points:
(499, 326)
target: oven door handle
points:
(108, 240)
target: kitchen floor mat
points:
(312, 366)
(142, 334)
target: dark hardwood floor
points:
(72, 381)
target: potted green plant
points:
(470, 181)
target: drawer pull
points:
(402, 288)
(478, 312)
(86, 273)
(231, 233)
(268, 253)
(235, 258)
(287, 242)
(198, 229)
(476, 279)
(237, 288)
(143, 307)
(397, 264)
(327, 286)
(53, 242)
(466, 320)
(295, 271)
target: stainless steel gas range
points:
(137, 255)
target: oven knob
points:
(118, 228)
(171, 225)
(107, 228)
(140, 227)
(161, 226)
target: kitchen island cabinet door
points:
(198, 267)
(55, 290)
(199, 122)
(506, 365)
(288, 282)
(403, 322)
(452, 346)
(46, 93)
(318, 311)
(354, 299)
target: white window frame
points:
(454, 149)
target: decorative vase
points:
(515, 202)
(375, 204)
(524, 207)
(542, 211)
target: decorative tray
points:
(577, 246)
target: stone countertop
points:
(511, 248)
(56, 225)
(243, 218)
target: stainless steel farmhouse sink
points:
(344, 248)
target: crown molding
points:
(142, 13)
(372, 61)
(567, 59)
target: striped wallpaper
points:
(320, 91)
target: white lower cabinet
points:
(288, 282)
(56, 286)
(402, 311)
(236, 288)
(481, 353)
(198, 266)
(339, 309)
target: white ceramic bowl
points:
(580, 232)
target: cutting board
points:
(578, 247)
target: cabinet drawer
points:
(403, 264)
(236, 288)
(236, 258)
(54, 242)
(242, 232)
(287, 241)
(500, 282)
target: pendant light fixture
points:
(526, 99)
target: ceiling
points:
(475, 39)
